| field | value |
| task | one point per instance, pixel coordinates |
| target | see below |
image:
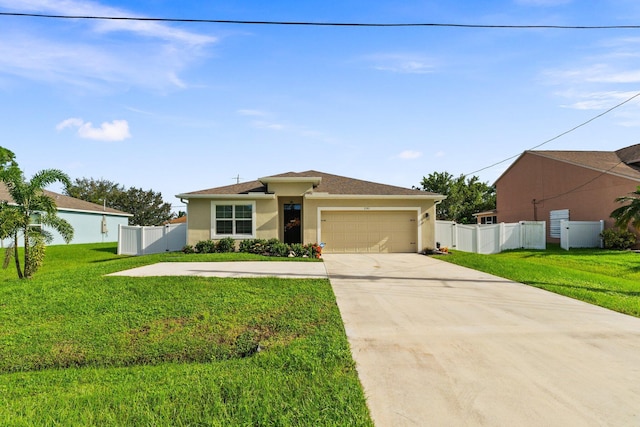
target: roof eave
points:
(249, 196)
(315, 180)
(319, 196)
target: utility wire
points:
(325, 24)
(559, 135)
(579, 186)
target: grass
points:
(610, 279)
(79, 348)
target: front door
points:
(292, 222)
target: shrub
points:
(298, 250)
(226, 245)
(188, 249)
(314, 250)
(615, 238)
(278, 248)
(254, 246)
(206, 247)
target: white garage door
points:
(371, 231)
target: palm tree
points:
(30, 202)
(629, 213)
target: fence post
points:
(601, 230)
(119, 251)
(501, 236)
(454, 239)
(477, 239)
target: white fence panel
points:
(129, 240)
(488, 239)
(136, 240)
(511, 236)
(491, 239)
(446, 233)
(467, 238)
(581, 234)
(533, 235)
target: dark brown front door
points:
(292, 222)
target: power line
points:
(579, 186)
(325, 24)
(559, 135)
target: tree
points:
(99, 191)
(629, 213)
(147, 207)
(17, 219)
(464, 196)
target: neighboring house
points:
(92, 223)
(346, 214)
(578, 185)
(486, 217)
(179, 220)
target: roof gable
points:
(328, 184)
(624, 162)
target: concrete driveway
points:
(440, 345)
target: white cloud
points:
(151, 54)
(402, 63)
(117, 130)
(596, 100)
(409, 154)
(440, 153)
(255, 113)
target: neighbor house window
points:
(35, 220)
(489, 220)
(234, 220)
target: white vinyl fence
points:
(136, 240)
(491, 239)
(581, 234)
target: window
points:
(35, 220)
(233, 220)
(489, 220)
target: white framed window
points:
(233, 219)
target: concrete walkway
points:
(285, 269)
(440, 345)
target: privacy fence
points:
(491, 239)
(581, 234)
(136, 240)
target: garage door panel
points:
(369, 232)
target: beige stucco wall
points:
(282, 189)
(199, 214)
(588, 194)
(198, 220)
(427, 225)
(268, 214)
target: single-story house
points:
(92, 223)
(575, 185)
(345, 214)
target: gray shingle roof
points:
(66, 203)
(331, 184)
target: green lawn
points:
(610, 279)
(79, 348)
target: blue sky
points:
(183, 107)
